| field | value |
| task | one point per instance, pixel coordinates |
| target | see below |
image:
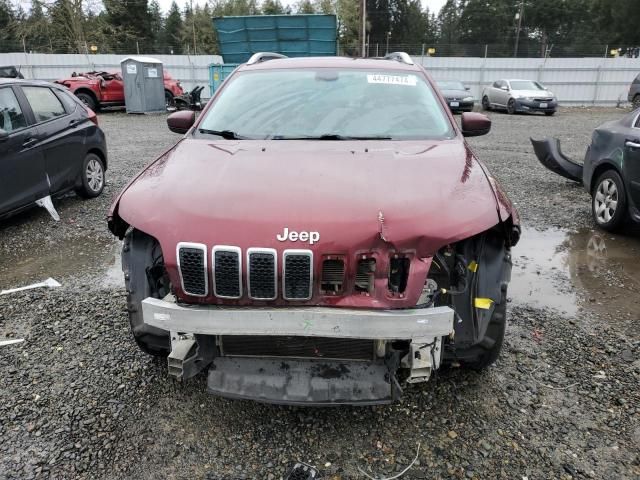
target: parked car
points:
(457, 95)
(310, 239)
(50, 143)
(10, 72)
(610, 172)
(106, 89)
(634, 92)
(519, 96)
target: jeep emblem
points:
(292, 236)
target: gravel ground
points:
(79, 400)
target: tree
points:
(409, 24)
(7, 25)
(305, 7)
(129, 23)
(274, 7)
(68, 26)
(448, 22)
(156, 25)
(173, 30)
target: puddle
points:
(88, 261)
(572, 270)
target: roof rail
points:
(264, 56)
(402, 57)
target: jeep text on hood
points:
(342, 252)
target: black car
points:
(50, 143)
(10, 71)
(457, 95)
(611, 169)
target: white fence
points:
(576, 81)
(191, 70)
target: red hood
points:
(359, 196)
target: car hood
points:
(456, 93)
(417, 195)
(532, 93)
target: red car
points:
(321, 234)
(106, 89)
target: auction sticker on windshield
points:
(409, 80)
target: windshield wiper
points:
(330, 136)
(226, 134)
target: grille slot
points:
(262, 278)
(297, 274)
(365, 275)
(332, 276)
(300, 347)
(398, 274)
(192, 265)
(227, 268)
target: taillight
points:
(92, 116)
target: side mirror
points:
(475, 124)
(505, 88)
(3, 135)
(467, 88)
(181, 121)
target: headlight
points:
(467, 99)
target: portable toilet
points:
(143, 85)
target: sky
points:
(434, 5)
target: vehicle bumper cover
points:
(461, 105)
(533, 106)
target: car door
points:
(113, 89)
(502, 94)
(631, 165)
(62, 141)
(22, 175)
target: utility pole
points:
(363, 35)
(519, 19)
(193, 24)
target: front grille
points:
(332, 276)
(227, 268)
(543, 99)
(262, 273)
(365, 275)
(297, 274)
(300, 347)
(192, 264)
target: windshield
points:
(525, 85)
(450, 85)
(328, 104)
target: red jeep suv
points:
(106, 89)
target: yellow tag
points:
(483, 303)
(473, 266)
(216, 76)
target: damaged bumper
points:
(196, 330)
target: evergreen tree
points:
(129, 23)
(273, 7)
(173, 30)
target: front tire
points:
(92, 176)
(609, 201)
(550, 114)
(145, 276)
(169, 101)
(511, 106)
(636, 101)
(485, 103)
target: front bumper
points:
(458, 105)
(314, 381)
(523, 105)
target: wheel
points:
(88, 100)
(168, 100)
(550, 114)
(511, 106)
(636, 101)
(609, 201)
(92, 176)
(485, 103)
(145, 276)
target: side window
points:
(11, 116)
(44, 103)
(496, 84)
(68, 102)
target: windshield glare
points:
(299, 104)
(450, 85)
(526, 85)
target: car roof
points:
(20, 81)
(331, 62)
